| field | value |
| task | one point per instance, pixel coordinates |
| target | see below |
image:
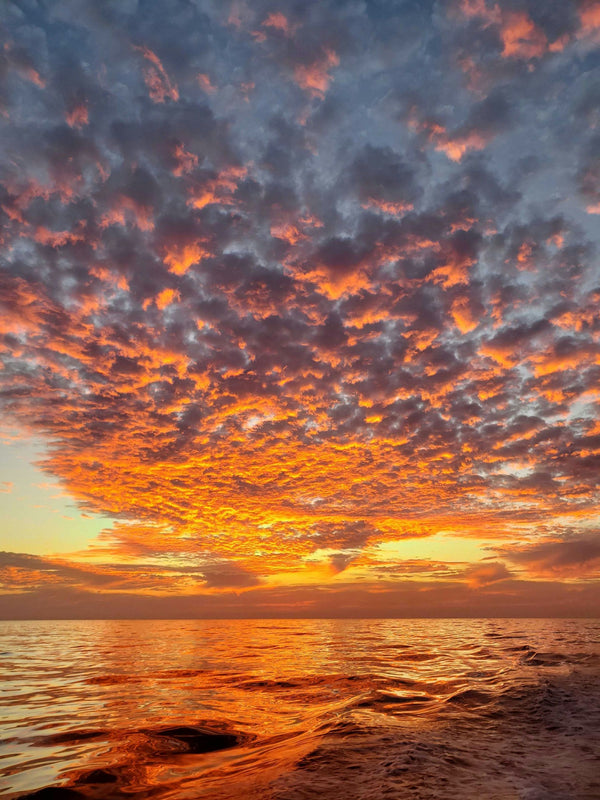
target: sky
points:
(299, 308)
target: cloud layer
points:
(281, 283)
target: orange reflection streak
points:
(258, 698)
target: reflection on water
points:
(308, 708)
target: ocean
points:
(290, 709)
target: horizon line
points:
(287, 619)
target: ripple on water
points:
(285, 711)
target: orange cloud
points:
(77, 117)
(218, 189)
(166, 297)
(186, 162)
(279, 22)
(388, 207)
(314, 78)
(235, 15)
(519, 35)
(180, 259)
(455, 145)
(479, 8)
(125, 209)
(158, 82)
(288, 232)
(589, 14)
(205, 83)
(521, 38)
(57, 238)
(487, 574)
(462, 314)
(453, 272)
(455, 148)
(34, 76)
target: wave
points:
(359, 717)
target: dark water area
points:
(283, 710)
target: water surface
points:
(279, 710)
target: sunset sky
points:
(299, 308)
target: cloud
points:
(487, 574)
(159, 85)
(590, 17)
(224, 574)
(574, 557)
(278, 22)
(528, 31)
(278, 283)
(521, 38)
(18, 570)
(589, 176)
(25, 573)
(315, 76)
(403, 599)
(382, 180)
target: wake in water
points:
(306, 709)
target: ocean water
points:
(280, 710)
